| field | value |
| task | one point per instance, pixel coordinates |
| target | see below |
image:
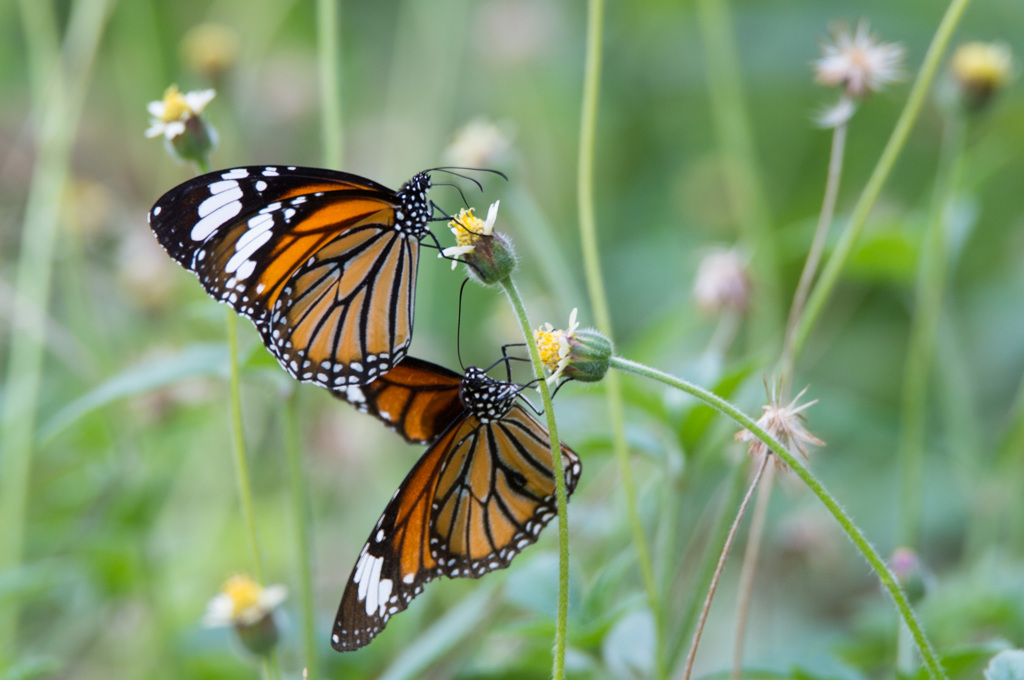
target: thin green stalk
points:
(931, 286)
(924, 327)
(330, 97)
(828, 207)
(58, 92)
(735, 140)
(866, 549)
(830, 274)
(241, 459)
(705, 572)
(303, 548)
(602, 315)
(692, 655)
(749, 570)
(561, 495)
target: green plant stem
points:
(692, 655)
(561, 494)
(330, 97)
(718, 536)
(749, 570)
(58, 92)
(735, 140)
(830, 274)
(931, 286)
(602, 315)
(241, 459)
(303, 548)
(828, 207)
(866, 549)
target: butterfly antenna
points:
(452, 168)
(458, 326)
(457, 188)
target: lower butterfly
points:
(322, 262)
(480, 494)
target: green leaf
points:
(207, 359)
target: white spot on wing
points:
(214, 220)
(237, 173)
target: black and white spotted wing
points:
(323, 262)
(479, 495)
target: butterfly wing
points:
(495, 493)
(475, 499)
(416, 398)
(322, 262)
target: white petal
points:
(492, 217)
(219, 612)
(156, 109)
(197, 101)
(156, 128)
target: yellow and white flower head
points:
(571, 353)
(554, 347)
(489, 255)
(786, 423)
(858, 62)
(178, 118)
(249, 609)
(980, 70)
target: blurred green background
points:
(133, 519)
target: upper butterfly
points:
(322, 262)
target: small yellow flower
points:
(210, 48)
(172, 113)
(469, 231)
(243, 602)
(858, 62)
(554, 347)
(784, 423)
(981, 69)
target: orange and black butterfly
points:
(322, 262)
(480, 494)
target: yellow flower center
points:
(175, 105)
(468, 228)
(244, 593)
(982, 63)
(548, 342)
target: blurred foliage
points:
(133, 516)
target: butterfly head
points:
(486, 398)
(413, 213)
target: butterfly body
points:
(480, 494)
(322, 262)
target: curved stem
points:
(844, 248)
(58, 90)
(241, 460)
(688, 669)
(859, 540)
(561, 494)
(300, 510)
(828, 207)
(749, 570)
(924, 328)
(602, 315)
(330, 99)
